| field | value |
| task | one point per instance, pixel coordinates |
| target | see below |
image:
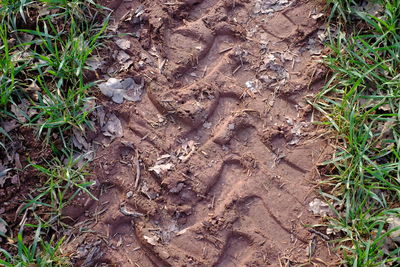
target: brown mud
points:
(217, 162)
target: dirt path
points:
(216, 161)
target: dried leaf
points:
(17, 161)
(270, 6)
(207, 125)
(160, 168)
(394, 223)
(79, 140)
(318, 207)
(123, 44)
(113, 127)
(9, 125)
(151, 240)
(101, 115)
(317, 16)
(3, 227)
(4, 171)
(177, 188)
(120, 89)
(3, 174)
(15, 180)
(95, 62)
(122, 57)
(19, 113)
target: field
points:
(199, 133)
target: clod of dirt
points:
(113, 127)
(318, 207)
(120, 89)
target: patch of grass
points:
(13, 12)
(341, 8)
(52, 56)
(361, 102)
(65, 179)
(8, 70)
(44, 48)
(37, 253)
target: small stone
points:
(129, 194)
(164, 254)
(207, 125)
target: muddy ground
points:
(213, 161)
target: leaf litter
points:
(162, 164)
(270, 6)
(3, 227)
(123, 43)
(113, 127)
(320, 208)
(122, 89)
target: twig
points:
(324, 236)
(225, 50)
(205, 71)
(127, 212)
(137, 169)
(236, 70)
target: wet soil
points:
(217, 162)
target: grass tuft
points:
(44, 48)
(361, 103)
(38, 253)
(50, 57)
(65, 179)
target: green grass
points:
(38, 253)
(361, 103)
(46, 64)
(44, 48)
(64, 181)
(8, 69)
